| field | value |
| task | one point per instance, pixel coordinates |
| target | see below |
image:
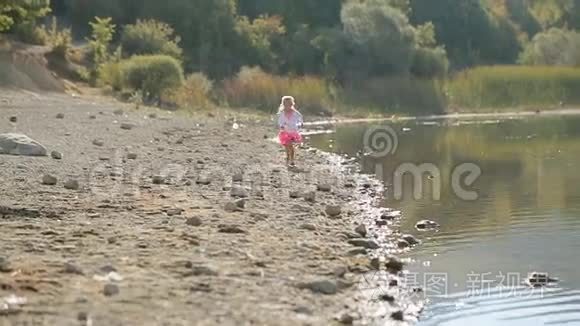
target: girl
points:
(289, 122)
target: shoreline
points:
(449, 116)
(204, 224)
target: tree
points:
(15, 12)
(470, 34)
(150, 37)
(377, 40)
(555, 46)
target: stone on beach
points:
(49, 180)
(426, 225)
(333, 210)
(71, 184)
(327, 287)
(56, 155)
(367, 244)
(20, 144)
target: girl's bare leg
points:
(288, 150)
(292, 154)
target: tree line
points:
(342, 40)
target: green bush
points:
(151, 75)
(150, 37)
(515, 86)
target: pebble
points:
(132, 156)
(71, 184)
(118, 112)
(71, 268)
(362, 230)
(398, 315)
(203, 180)
(394, 265)
(294, 194)
(327, 287)
(204, 270)
(357, 251)
(232, 207)
(238, 177)
(238, 191)
(390, 215)
(403, 244)
(60, 116)
(324, 187)
(308, 226)
(49, 180)
(310, 196)
(158, 180)
(363, 243)
(127, 126)
(333, 210)
(13, 119)
(194, 221)
(110, 289)
(56, 155)
(5, 265)
(232, 229)
(174, 211)
(92, 117)
(241, 203)
(98, 142)
(410, 239)
(303, 310)
(426, 224)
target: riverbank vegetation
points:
(346, 56)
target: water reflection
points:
(526, 217)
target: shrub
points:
(103, 30)
(515, 86)
(60, 40)
(554, 47)
(152, 75)
(193, 94)
(256, 89)
(150, 37)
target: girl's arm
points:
(281, 121)
(300, 119)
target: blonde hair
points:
(284, 98)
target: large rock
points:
(19, 144)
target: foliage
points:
(16, 12)
(254, 88)
(150, 37)
(554, 47)
(194, 94)
(103, 30)
(258, 35)
(514, 86)
(152, 75)
(470, 33)
(60, 40)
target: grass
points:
(514, 87)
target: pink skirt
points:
(289, 137)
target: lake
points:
(506, 194)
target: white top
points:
(290, 122)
